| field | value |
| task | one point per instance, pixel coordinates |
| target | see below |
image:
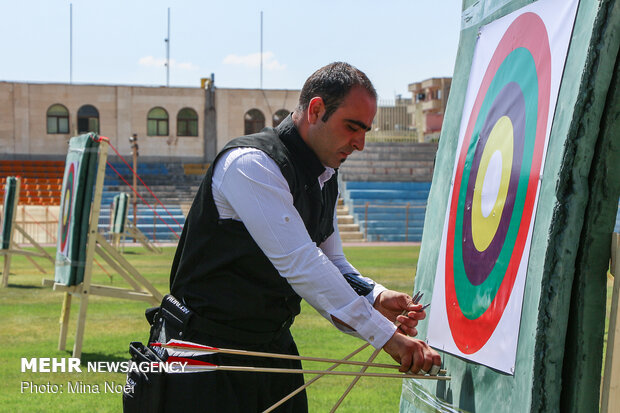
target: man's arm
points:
(390, 303)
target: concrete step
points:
(351, 236)
(345, 219)
(348, 228)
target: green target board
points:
(120, 205)
(75, 205)
(8, 211)
(519, 210)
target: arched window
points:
(187, 122)
(157, 122)
(279, 116)
(254, 121)
(88, 119)
(57, 119)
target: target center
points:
(67, 205)
(491, 183)
(491, 187)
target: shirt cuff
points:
(370, 325)
(372, 296)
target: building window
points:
(88, 119)
(187, 122)
(57, 119)
(279, 116)
(254, 121)
(157, 122)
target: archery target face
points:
(489, 219)
(66, 208)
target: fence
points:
(38, 221)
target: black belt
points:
(200, 325)
(184, 323)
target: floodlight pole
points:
(71, 43)
(134, 148)
(168, 52)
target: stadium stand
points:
(388, 211)
(385, 188)
(169, 182)
(41, 180)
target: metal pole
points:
(168, 52)
(71, 43)
(407, 222)
(366, 221)
(135, 188)
(134, 148)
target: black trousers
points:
(222, 391)
(243, 392)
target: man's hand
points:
(392, 304)
(412, 354)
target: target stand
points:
(121, 228)
(610, 393)
(79, 240)
(9, 226)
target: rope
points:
(104, 270)
(54, 238)
(145, 185)
(146, 203)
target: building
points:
(429, 105)
(393, 121)
(172, 123)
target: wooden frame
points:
(142, 289)
(610, 397)
(131, 231)
(14, 249)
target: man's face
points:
(344, 131)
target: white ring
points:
(422, 372)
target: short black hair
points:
(332, 83)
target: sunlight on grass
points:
(30, 326)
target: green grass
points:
(29, 328)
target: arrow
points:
(187, 349)
(197, 366)
(315, 378)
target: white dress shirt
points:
(249, 187)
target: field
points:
(30, 314)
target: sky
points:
(395, 42)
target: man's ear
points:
(316, 109)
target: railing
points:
(409, 211)
(40, 222)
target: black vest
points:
(220, 272)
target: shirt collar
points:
(326, 175)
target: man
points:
(262, 234)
